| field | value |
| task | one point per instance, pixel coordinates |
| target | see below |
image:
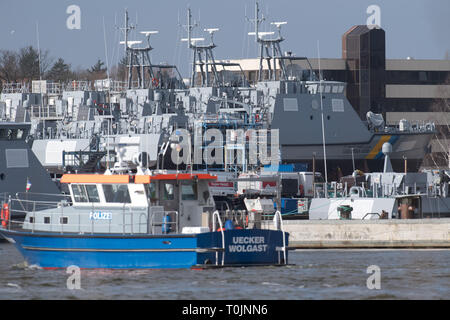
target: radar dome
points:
(386, 148)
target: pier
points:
(383, 234)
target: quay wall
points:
(395, 233)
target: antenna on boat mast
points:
(138, 58)
(109, 92)
(257, 21)
(323, 127)
(126, 29)
(203, 57)
(265, 45)
(40, 74)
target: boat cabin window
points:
(320, 179)
(85, 193)
(116, 193)
(169, 191)
(152, 190)
(12, 134)
(188, 191)
(79, 193)
(92, 193)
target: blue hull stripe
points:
(115, 250)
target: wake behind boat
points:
(140, 221)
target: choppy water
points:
(317, 274)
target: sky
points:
(414, 28)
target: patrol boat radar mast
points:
(203, 57)
(270, 50)
(137, 57)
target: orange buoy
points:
(5, 215)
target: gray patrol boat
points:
(81, 126)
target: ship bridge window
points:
(8, 134)
(92, 193)
(116, 193)
(152, 190)
(290, 104)
(79, 193)
(168, 191)
(19, 134)
(188, 191)
(312, 88)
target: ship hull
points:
(115, 251)
(367, 156)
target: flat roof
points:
(340, 64)
(417, 65)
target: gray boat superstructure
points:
(21, 173)
(384, 195)
(147, 109)
(295, 101)
(76, 126)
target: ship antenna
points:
(109, 92)
(39, 49)
(257, 21)
(323, 128)
(126, 29)
(40, 75)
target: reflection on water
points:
(315, 274)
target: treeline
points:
(23, 66)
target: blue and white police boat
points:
(125, 221)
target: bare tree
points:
(9, 66)
(442, 136)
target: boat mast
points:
(202, 54)
(266, 45)
(323, 126)
(138, 57)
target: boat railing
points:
(45, 112)
(21, 207)
(164, 222)
(340, 190)
(16, 87)
(278, 224)
(216, 217)
(133, 220)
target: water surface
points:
(315, 274)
